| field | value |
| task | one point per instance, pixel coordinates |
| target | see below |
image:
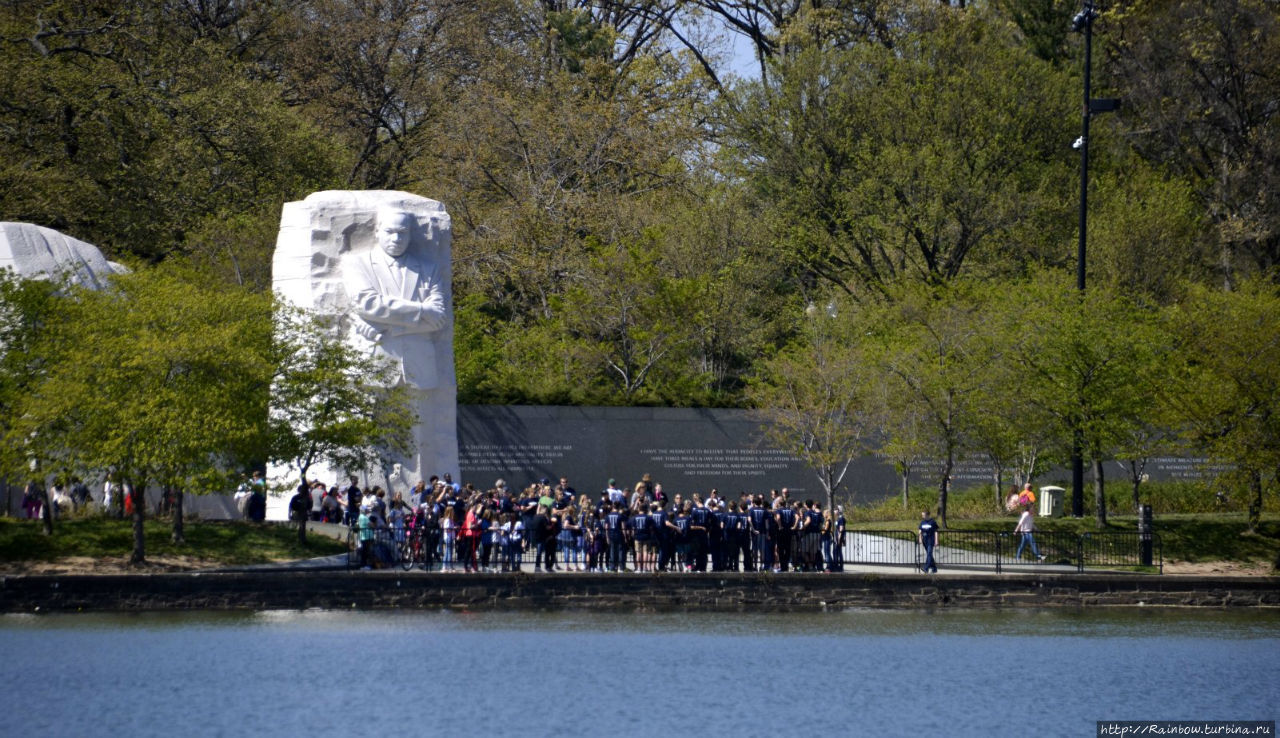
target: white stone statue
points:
(36, 252)
(383, 260)
(397, 300)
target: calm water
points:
(1025, 673)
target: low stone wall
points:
(625, 592)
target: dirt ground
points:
(107, 565)
(1220, 568)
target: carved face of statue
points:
(394, 230)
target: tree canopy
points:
(635, 222)
(163, 379)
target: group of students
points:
(461, 529)
(343, 504)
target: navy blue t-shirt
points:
(929, 531)
(700, 517)
(727, 526)
(615, 522)
(642, 525)
(682, 522)
(659, 519)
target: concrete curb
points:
(394, 589)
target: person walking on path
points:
(928, 537)
(1027, 526)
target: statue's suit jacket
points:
(398, 304)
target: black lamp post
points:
(1083, 23)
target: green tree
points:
(566, 232)
(814, 398)
(26, 306)
(1200, 92)
(157, 377)
(1045, 25)
(1135, 449)
(1146, 233)
(1002, 431)
(378, 75)
(1015, 435)
(628, 316)
(939, 156)
(152, 129)
(328, 403)
(1087, 364)
(1226, 390)
(901, 423)
(774, 28)
(933, 344)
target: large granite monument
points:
(36, 252)
(382, 260)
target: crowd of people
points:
(456, 527)
(64, 496)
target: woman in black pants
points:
(537, 535)
(552, 540)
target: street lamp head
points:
(1082, 20)
(1085, 18)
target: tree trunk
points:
(945, 487)
(1135, 476)
(1255, 505)
(304, 514)
(139, 555)
(1099, 494)
(46, 512)
(178, 532)
(906, 485)
(999, 475)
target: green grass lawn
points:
(1185, 537)
(222, 542)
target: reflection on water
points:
(1118, 622)
(890, 672)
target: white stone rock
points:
(328, 258)
(36, 252)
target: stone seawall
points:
(618, 592)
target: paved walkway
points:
(876, 555)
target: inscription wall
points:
(686, 450)
(694, 450)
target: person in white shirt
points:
(1026, 526)
(108, 497)
(513, 531)
(616, 496)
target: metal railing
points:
(966, 549)
(1050, 547)
(978, 550)
(882, 547)
(1123, 550)
(436, 550)
(999, 550)
(433, 550)
(378, 548)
